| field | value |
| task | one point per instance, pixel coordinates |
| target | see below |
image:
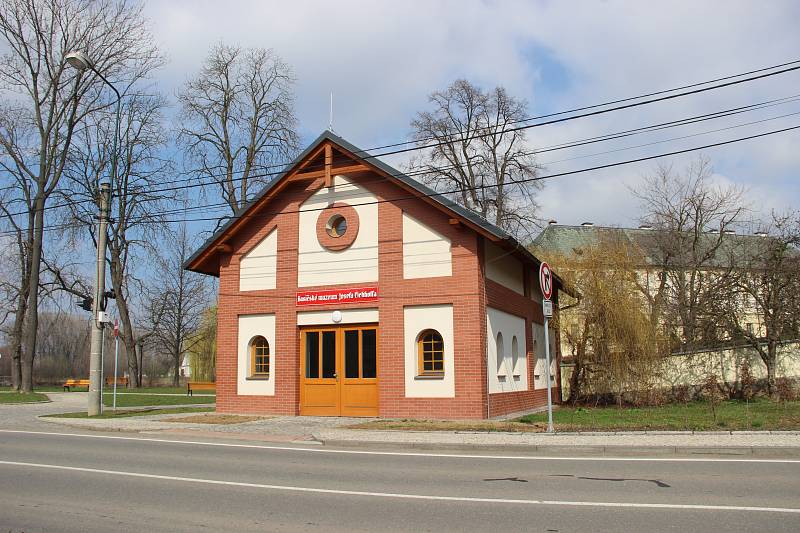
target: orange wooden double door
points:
(339, 371)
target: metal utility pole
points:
(79, 60)
(546, 284)
(95, 406)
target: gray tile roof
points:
(566, 240)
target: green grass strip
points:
(22, 397)
(761, 414)
(142, 412)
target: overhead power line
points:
(562, 146)
(364, 153)
(490, 186)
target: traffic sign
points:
(116, 328)
(546, 280)
(547, 308)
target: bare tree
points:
(474, 150)
(136, 209)
(759, 301)
(178, 301)
(48, 101)
(238, 118)
(15, 260)
(14, 286)
(690, 218)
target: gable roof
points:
(466, 216)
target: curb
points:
(577, 450)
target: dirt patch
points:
(214, 419)
(447, 425)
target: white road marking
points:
(414, 454)
(408, 496)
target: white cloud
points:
(381, 59)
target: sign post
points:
(116, 358)
(546, 284)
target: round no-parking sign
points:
(546, 280)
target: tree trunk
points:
(770, 362)
(16, 344)
(127, 326)
(140, 360)
(176, 378)
(574, 383)
(32, 308)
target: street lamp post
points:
(81, 61)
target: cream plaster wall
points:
(415, 320)
(258, 267)
(503, 268)
(358, 263)
(349, 316)
(504, 376)
(249, 327)
(426, 253)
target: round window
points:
(336, 226)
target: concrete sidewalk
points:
(333, 431)
(327, 431)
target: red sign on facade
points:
(355, 295)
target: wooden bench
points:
(120, 381)
(76, 383)
(192, 386)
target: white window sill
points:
(429, 376)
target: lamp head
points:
(78, 60)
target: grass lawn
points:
(17, 397)
(136, 400)
(107, 388)
(126, 414)
(756, 415)
(159, 390)
(697, 416)
(39, 388)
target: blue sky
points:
(381, 59)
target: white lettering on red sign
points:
(338, 296)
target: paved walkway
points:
(331, 431)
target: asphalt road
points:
(99, 482)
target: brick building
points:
(348, 288)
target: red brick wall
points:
(464, 290)
(505, 299)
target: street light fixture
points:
(78, 60)
(81, 62)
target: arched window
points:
(259, 357)
(501, 355)
(430, 348)
(514, 356)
